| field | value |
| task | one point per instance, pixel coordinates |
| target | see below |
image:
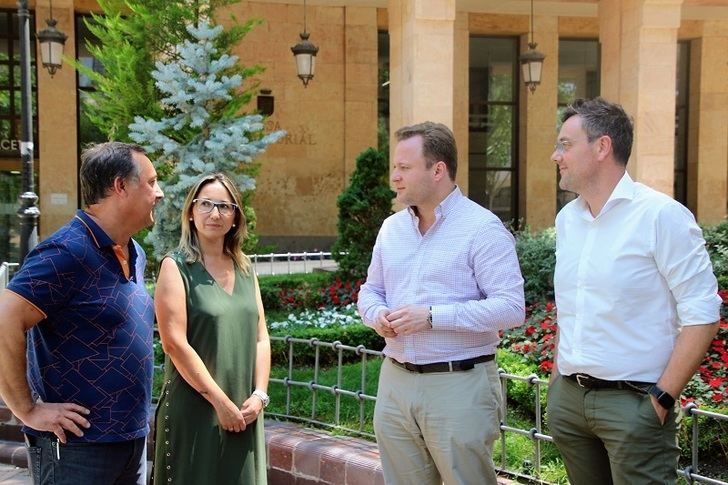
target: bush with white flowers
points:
(322, 318)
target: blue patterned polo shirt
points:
(94, 346)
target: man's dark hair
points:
(600, 117)
(438, 144)
(102, 163)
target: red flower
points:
(550, 306)
(546, 366)
(530, 330)
(717, 397)
(715, 382)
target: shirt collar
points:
(445, 207)
(624, 190)
(102, 240)
(97, 234)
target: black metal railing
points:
(535, 433)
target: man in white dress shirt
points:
(637, 308)
(443, 280)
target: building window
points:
(11, 128)
(10, 90)
(492, 130)
(578, 78)
(87, 131)
(680, 189)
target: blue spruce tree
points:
(203, 132)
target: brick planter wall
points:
(296, 456)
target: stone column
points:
(57, 122)
(537, 173)
(461, 98)
(422, 54)
(639, 56)
(360, 84)
(708, 124)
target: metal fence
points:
(6, 270)
(536, 433)
(289, 263)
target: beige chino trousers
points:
(438, 427)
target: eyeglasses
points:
(562, 146)
(205, 206)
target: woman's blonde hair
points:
(189, 244)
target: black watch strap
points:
(663, 398)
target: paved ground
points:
(10, 475)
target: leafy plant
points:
(130, 35)
(363, 206)
(537, 256)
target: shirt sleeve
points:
(47, 278)
(372, 296)
(684, 262)
(498, 275)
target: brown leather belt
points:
(589, 382)
(452, 366)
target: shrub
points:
(363, 206)
(536, 253)
(520, 394)
(716, 241)
(294, 291)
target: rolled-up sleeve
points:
(683, 261)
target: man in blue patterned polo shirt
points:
(81, 299)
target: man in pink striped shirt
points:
(443, 280)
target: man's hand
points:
(57, 418)
(381, 325)
(659, 410)
(409, 319)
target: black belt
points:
(452, 366)
(589, 382)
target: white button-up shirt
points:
(465, 267)
(626, 281)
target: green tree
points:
(363, 206)
(199, 132)
(133, 34)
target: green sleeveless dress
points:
(191, 447)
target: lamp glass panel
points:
(526, 71)
(303, 64)
(535, 68)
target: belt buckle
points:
(579, 377)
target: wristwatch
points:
(264, 398)
(663, 397)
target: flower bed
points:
(535, 342)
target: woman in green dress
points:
(209, 422)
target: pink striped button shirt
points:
(465, 267)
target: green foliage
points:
(536, 253)
(712, 440)
(716, 241)
(521, 395)
(363, 206)
(305, 355)
(131, 35)
(307, 287)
